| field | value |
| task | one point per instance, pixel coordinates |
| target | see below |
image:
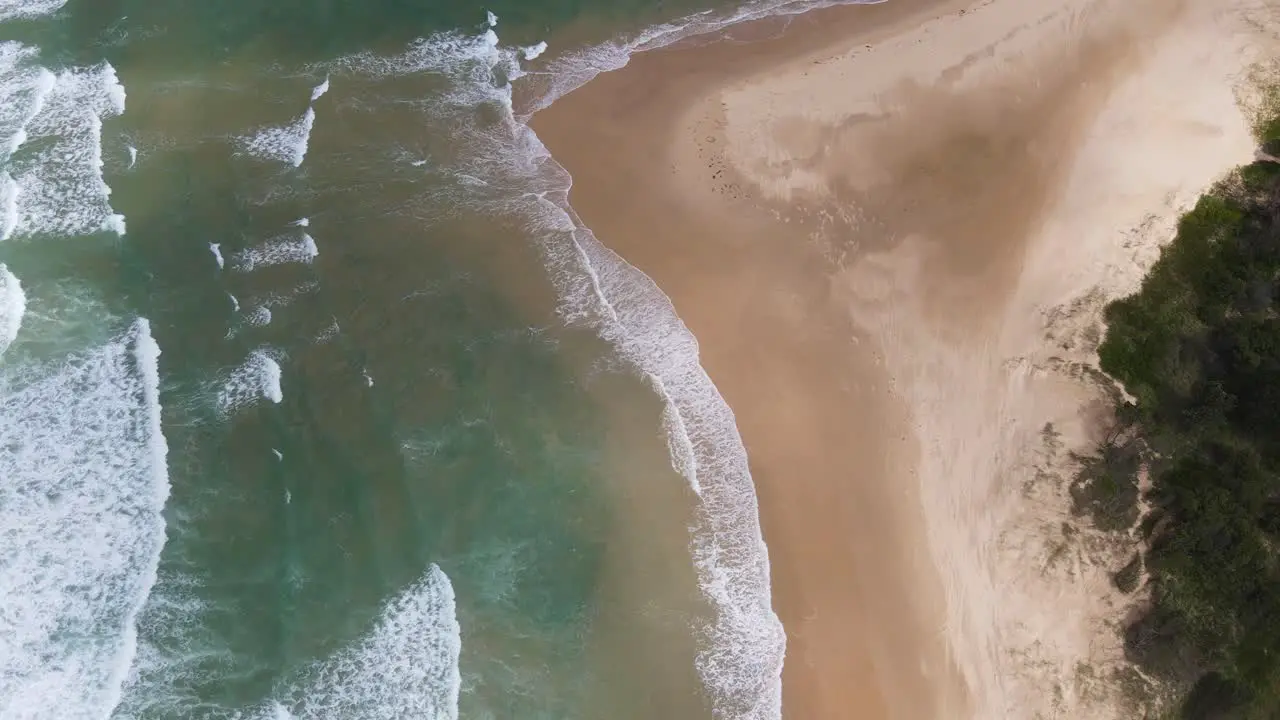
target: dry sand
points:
(891, 229)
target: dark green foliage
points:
(1106, 488)
(1126, 579)
(1270, 134)
(1199, 349)
(1215, 697)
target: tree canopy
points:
(1198, 349)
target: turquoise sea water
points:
(316, 401)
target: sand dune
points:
(892, 229)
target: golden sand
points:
(861, 220)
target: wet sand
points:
(847, 209)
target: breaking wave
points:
(257, 378)
(85, 481)
(506, 171)
(13, 305)
(284, 143)
(51, 146)
(295, 248)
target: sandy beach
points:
(892, 229)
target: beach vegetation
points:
(1106, 487)
(1128, 577)
(1198, 351)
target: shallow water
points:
(413, 445)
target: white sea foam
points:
(490, 19)
(8, 205)
(405, 667)
(133, 156)
(302, 222)
(85, 481)
(257, 378)
(286, 297)
(20, 97)
(114, 223)
(235, 304)
(258, 316)
(507, 171)
(23, 86)
(59, 187)
(72, 318)
(329, 332)
(263, 310)
(319, 90)
(679, 444)
(368, 379)
(511, 173)
(286, 143)
(13, 305)
(18, 140)
(216, 249)
(742, 662)
(533, 51)
(295, 248)
(574, 69)
(24, 9)
(474, 57)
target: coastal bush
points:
(1127, 577)
(1198, 350)
(1106, 488)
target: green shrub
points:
(1198, 347)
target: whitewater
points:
(84, 461)
(80, 511)
(505, 171)
(13, 305)
(406, 664)
(56, 187)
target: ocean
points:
(317, 400)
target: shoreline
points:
(771, 215)
(893, 652)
